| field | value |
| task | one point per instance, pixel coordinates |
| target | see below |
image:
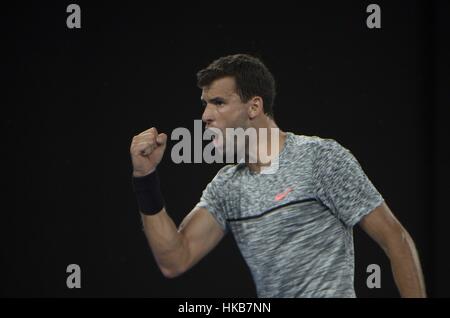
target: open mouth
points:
(214, 132)
(215, 140)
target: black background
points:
(75, 98)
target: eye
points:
(219, 103)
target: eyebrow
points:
(213, 100)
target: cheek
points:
(226, 114)
(242, 119)
(232, 116)
(239, 113)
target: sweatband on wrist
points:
(148, 193)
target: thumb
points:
(161, 139)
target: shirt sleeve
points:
(214, 198)
(341, 184)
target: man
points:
(294, 225)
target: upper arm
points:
(201, 233)
(382, 226)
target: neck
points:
(268, 147)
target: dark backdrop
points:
(76, 97)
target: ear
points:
(256, 107)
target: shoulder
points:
(226, 173)
(317, 146)
(228, 170)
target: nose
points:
(208, 114)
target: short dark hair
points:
(252, 78)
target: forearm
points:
(406, 267)
(166, 242)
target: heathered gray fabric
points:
(301, 245)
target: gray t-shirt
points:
(294, 227)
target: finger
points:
(153, 129)
(148, 134)
(145, 148)
(147, 137)
(161, 139)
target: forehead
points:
(221, 87)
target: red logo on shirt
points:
(282, 195)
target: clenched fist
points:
(147, 150)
